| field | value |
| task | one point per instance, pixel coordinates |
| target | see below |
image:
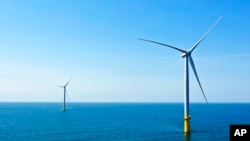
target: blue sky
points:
(43, 43)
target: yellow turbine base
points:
(186, 123)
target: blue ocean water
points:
(118, 121)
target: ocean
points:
(118, 121)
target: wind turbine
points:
(65, 93)
(187, 56)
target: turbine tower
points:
(188, 58)
(64, 94)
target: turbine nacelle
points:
(184, 54)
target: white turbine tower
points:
(187, 55)
(64, 94)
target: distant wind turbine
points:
(65, 93)
(187, 55)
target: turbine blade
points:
(67, 82)
(195, 73)
(67, 94)
(163, 45)
(199, 41)
(60, 86)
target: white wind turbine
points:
(64, 94)
(187, 55)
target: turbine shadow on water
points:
(187, 136)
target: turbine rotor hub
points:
(184, 54)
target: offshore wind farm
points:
(123, 89)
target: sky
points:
(44, 43)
